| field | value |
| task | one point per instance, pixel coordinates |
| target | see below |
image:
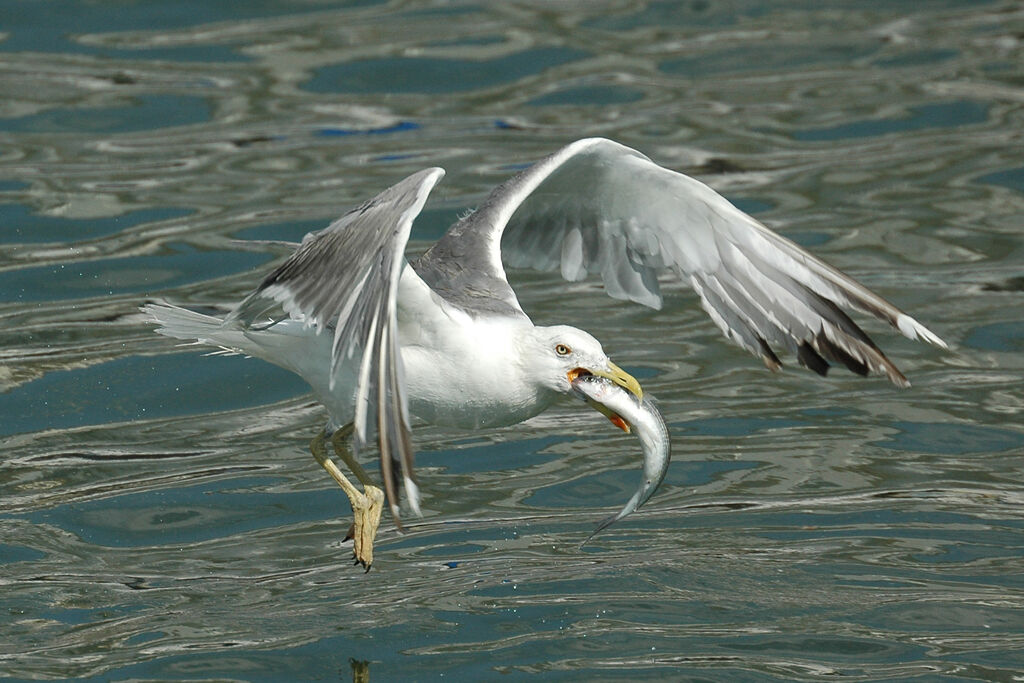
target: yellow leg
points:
(367, 505)
(339, 440)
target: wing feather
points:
(344, 279)
(596, 206)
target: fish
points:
(631, 415)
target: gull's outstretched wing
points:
(598, 206)
(344, 280)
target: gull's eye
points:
(562, 350)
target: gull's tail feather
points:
(181, 323)
(288, 345)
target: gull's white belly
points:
(467, 391)
(464, 389)
(462, 371)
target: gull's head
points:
(561, 353)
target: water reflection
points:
(437, 75)
(135, 115)
(945, 115)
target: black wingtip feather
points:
(836, 353)
(811, 359)
(771, 361)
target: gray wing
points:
(344, 279)
(598, 206)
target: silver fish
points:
(630, 415)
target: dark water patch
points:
(955, 551)
(75, 616)
(13, 185)
(1001, 68)
(491, 457)
(947, 617)
(763, 58)
(146, 112)
(179, 264)
(341, 648)
(919, 58)
(591, 95)
(640, 371)
(737, 426)
(449, 549)
(952, 438)
(1006, 336)
(53, 26)
(751, 205)
(613, 489)
(20, 225)
(453, 539)
(18, 553)
(428, 75)
(1012, 178)
(188, 514)
(429, 225)
(807, 238)
(697, 13)
(510, 588)
(830, 413)
(898, 521)
(140, 387)
(942, 115)
(182, 54)
(469, 41)
(146, 637)
(835, 647)
(292, 231)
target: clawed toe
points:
(367, 505)
(367, 508)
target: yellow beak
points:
(622, 378)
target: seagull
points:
(382, 339)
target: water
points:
(160, 516)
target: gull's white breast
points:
(460, 370)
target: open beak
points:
(622, 378)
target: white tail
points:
(181, 323)
(289, 344)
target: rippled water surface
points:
(160, 516)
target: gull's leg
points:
(367, 505)
(339, 440)
(364, 528)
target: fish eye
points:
(562, 350)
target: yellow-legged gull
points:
(443, 338)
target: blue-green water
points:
(160, 517)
